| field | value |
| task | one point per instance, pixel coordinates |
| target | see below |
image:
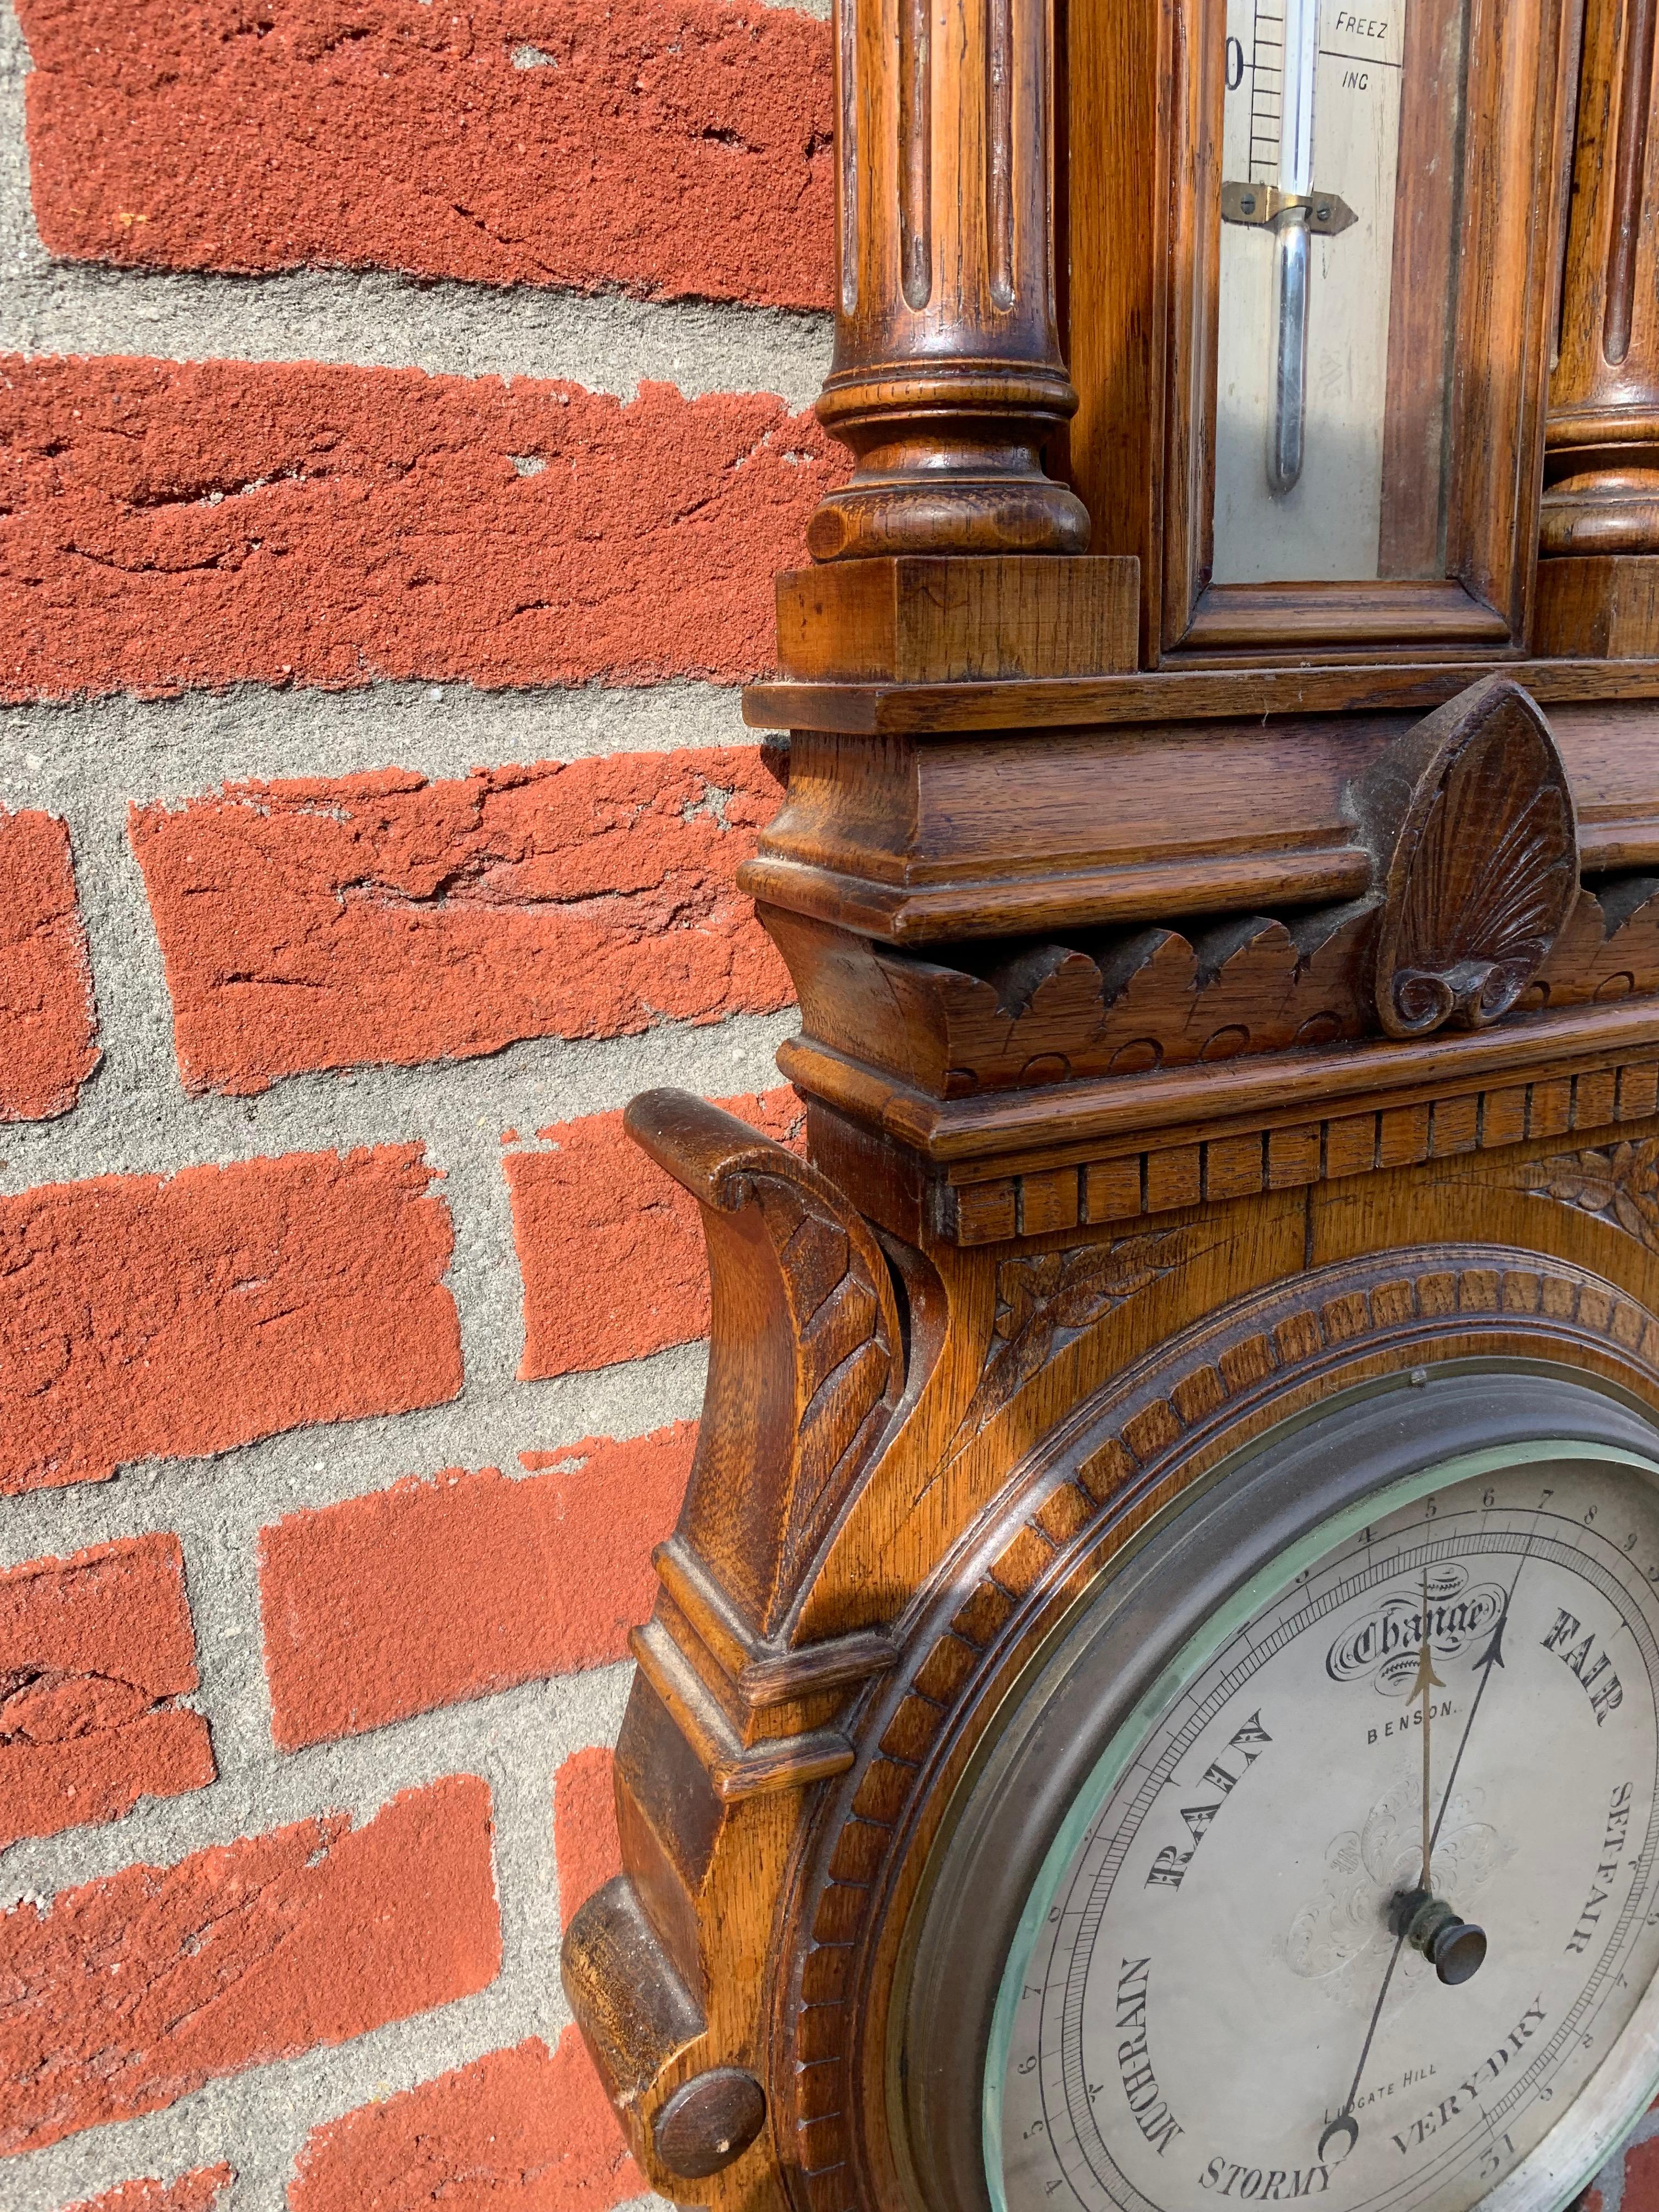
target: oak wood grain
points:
(947, 377)
(1422, 287)
(1601, 446)
(950, 618)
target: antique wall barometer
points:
(1153, 1697)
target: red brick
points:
(154, 1318)
(93, 1651)
(1641, 2177)
(125, 1995)
(670, 146)
(520, 2131)
(586, 1843)
(193, 2192)
(432, 1591)
(46, 1024)
(611, 1248)
(318, 924)
(165, 524)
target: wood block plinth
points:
(952, 619)
(1602, 607)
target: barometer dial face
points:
(1210, 2001)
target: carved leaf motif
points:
(1046, 1300)
(1475, 810)
(1620, 1185)
(805, 1360)
(845, 1357)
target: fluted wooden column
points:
(947, 374)
(1601, 445)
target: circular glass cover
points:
(1237, 1980)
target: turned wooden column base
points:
(1599, 503)
(960, 617)
(1603, 607)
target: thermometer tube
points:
(1290, 383)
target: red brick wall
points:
(402, 411)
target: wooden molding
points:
(1270, 618)
(1028, 1128)
(1185, 1168)
(1053, 1012)
(1188, 694)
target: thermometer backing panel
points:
(1311, 149)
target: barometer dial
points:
(1361, 1907)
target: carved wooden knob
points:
(708, 2121)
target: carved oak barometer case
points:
(1153, 1699)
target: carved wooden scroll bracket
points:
(731, 1716)
(806, 1359)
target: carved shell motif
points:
(1471, 817)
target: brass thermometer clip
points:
(1326, 213)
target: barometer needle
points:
(1345, 2123)
(1491, 1657)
